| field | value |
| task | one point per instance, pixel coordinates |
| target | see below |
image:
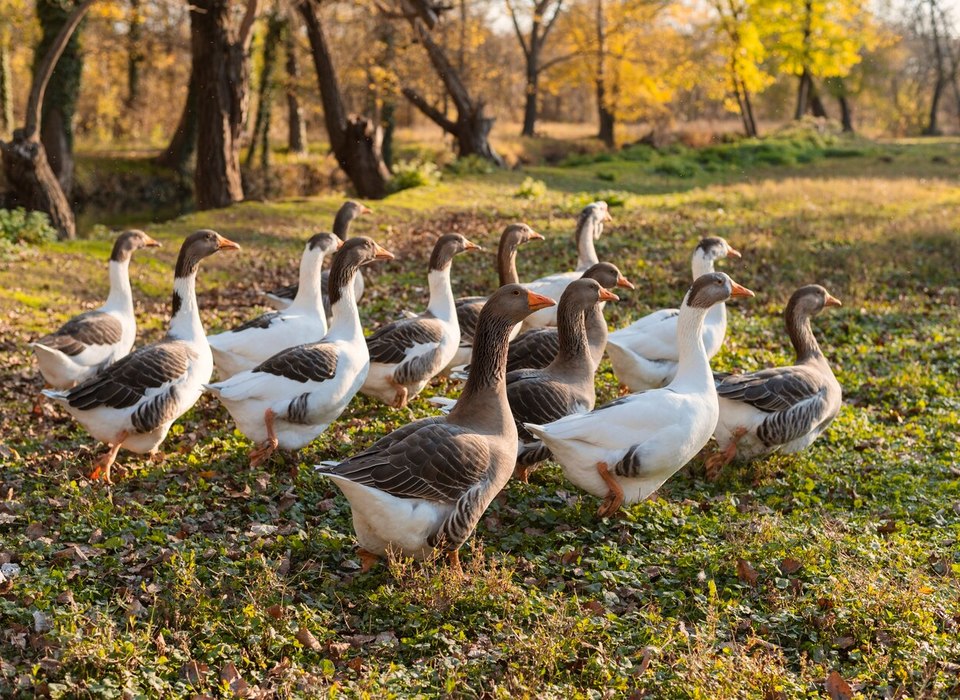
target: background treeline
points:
(246, 80)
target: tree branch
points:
(245, 35)
(547, 65)
(42, 76)
(552, 21)
(516, 28)
(434, 114)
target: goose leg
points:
(103, 465)
(614, 500)
(623, 389)
(400, 399)
(454, 560)
(261, 453)
(37, 409)
(522, 473)
(367, 560)
(719, 460)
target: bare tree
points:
(296, 126)
(543, 17)
(355, 140)
(34, 185)
(222, 73)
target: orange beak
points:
(606, 295)
(733, 253)
(624, 282)
(739, 291)
(339, 244)
(152, 243)
(538, 301)
(365, 209)
(832, 301)
(472, 246)
(534, 236)
(226, 244)
(382, 253)
(607, 217)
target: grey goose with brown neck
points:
(535, 349)
(427, 484)
(468, 308)
(624, 450)
(304, 321)
(292, 397)
(281, 297)
(409, 352)
(133, 402)
(94, 339)
(566, 385)
(781, 409)
(589, 228)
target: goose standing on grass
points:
(282, 297)
(624, 450)
(291, 398)
(781, 408)
(536, 348)
(304, 321)
(427, 484)
(409, 352)
(589, 228)
(468, 308)
(133, 402)
(644, 354)
(94, 339)
(566, 385)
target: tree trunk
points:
(846, 115)
(607, 121)
(182, 144)
(276, 26)
(803, 95)
(60, 97)
(933, 127)
(355, 140)
(604, 113)
(222, 74)
(6, 84)
(387, 35)
(472, 126)
(32, 181)
(296, 127)
(532, 90)
(817, 107)
(135, 55)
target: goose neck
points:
(701, 265)
(693, 366)
(486, 386)
(442, 304)
(121, 295)
(587, 231)
(309, 290)
(596, 326)
(507, 262)
(801, 335)
(345, 324)
(185, 323)
(571, 335)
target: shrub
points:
(607, 176)
(470, 165)
(413, 173)
(20, 227)
(531, 189)
(676, 166)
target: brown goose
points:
(565, 386)
(427, 484)
(133, 402)
(94, 339)
(282, 297)
(409, 352)
(468, 308)
(782, 408)
(535, 349)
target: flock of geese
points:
(529, 393)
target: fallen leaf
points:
(34, 531)
(192, 672)
(837, 688)
(595, 607)
(230, 676)
(746, 573)
(790, 566)
(262, 529)
(306, 638)
(569, 557)
(844, 642)
(275, 611)
(887, 527)
(645, 661)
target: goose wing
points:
(392, 343)
(82, 331)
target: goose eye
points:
(516, 293)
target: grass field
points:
(832, 573)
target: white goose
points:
(133, 402)
(282, 297)
(644, 354)
(589, 228)
(304, 321)
(409, 352)
(624, 450)
(290, 398)
(94, 339)
(782, 408)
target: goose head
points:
(608, 275)
(583, 294)
(592, 218)
(130, 241)
(810, 300)
(514, 303)
(348, 211)
(321, 244)
(518, 234)
(446, 247)
(708, 251)
(713, 288)
(198, 246)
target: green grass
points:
(842, 558)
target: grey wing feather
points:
(261, 321)
(540, 402)
(89, 328)
(775, 389)
(429, 459)
(125, 382)
(287, 292)
(311, 362)
(389, 345)
(468, 312)
(788, 425)
(534, 349)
